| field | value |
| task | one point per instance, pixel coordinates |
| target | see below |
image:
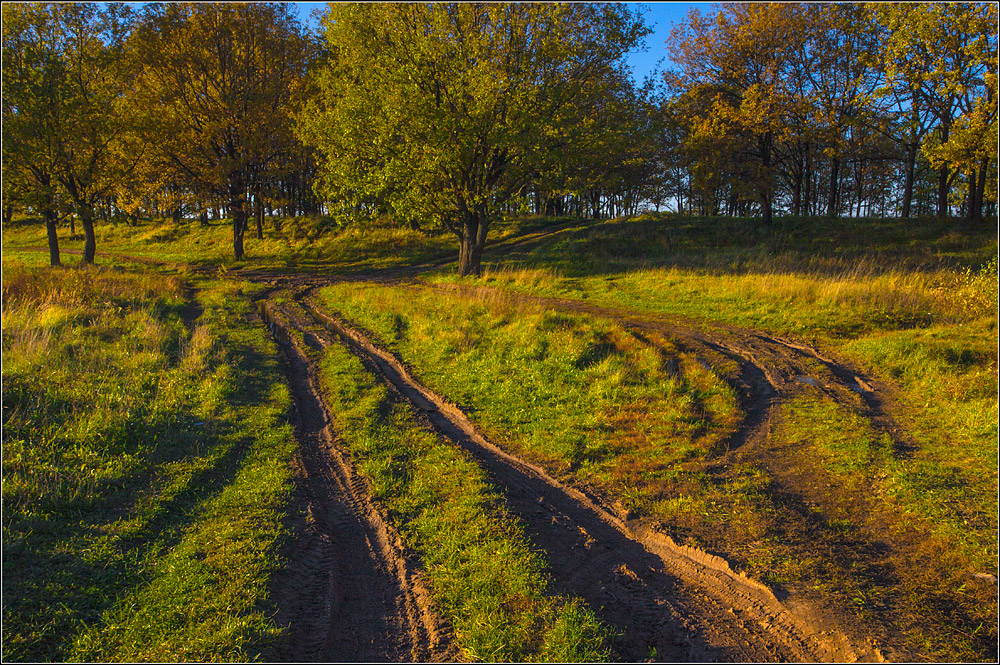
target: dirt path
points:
(669, 602)
(349, 592)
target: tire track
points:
(349, 592)
(668, 601)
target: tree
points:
(219, 83)
(839, 51)
(446, 112)
(947, 55)
(744, 58)
(34, 82)
(96, 150)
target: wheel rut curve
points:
(350, 591)
(668, 601)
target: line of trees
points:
(455, 115)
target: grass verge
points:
(145, 468)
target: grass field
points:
(145, 468)
(640, 419)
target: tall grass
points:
(145, 468)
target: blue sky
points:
(660, 16)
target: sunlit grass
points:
(483, 573)
(310, 243)
(145, 468)
(576, 393)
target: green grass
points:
(912, 302)
(579, 394)
(145, 468)
(296, 243)
(937, 509)
(482, 571)
(633, 417)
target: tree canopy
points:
(453, 116)
(446, 112)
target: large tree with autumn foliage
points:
(218, 83)
(446, 112)
(67, 137)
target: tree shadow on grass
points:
(57, 582)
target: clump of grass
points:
(141, 497)
(483, 574)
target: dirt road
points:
(668, 602)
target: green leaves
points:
(447, 112)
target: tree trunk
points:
(259, 215)
(203, 218)
(50, 227)
(175, 215)
(239, 228)
(89, 239)
(831, 201)
(910, 168)
(807, 178)
(970, 198)
(943, 187)
(473, 239)
(981, 190)
(8, 214)
(766, 196)
(767, 208)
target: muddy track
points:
(349, 592)
(667, 601)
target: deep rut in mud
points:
(668, 602)
(349, 592)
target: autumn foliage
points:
(456, 115)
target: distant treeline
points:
(454, 115)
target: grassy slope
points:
(893, 296)
(145, 468)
